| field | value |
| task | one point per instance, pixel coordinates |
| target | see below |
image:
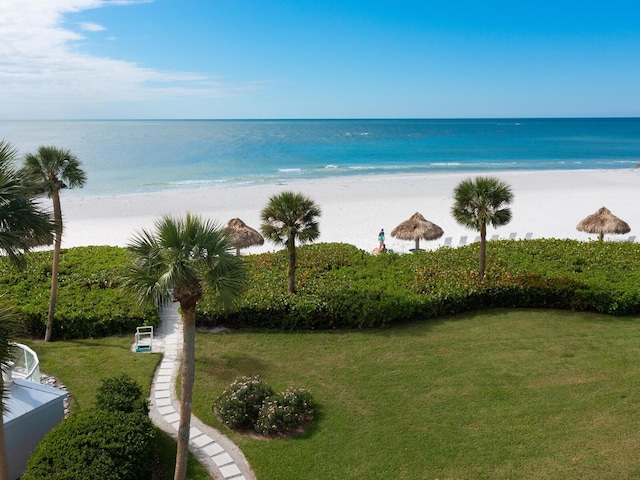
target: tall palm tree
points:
(8, 327)
(479, 202)
(22, 226)
(180, 261)
(22, 223)
(289, 217)
(49, 171)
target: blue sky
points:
(68, 59)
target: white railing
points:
(26, 364)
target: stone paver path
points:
(217, 453)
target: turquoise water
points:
(143, 156)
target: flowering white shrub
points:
(240, 403)
(285, 412)
(249, 403)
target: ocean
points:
(135, 156)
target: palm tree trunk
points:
(483, 251)
(4, 461)
(57, 216)
(291, 246)
(187, 380)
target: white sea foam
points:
(190, 183)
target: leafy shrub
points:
(121, 394)
(285, 412)
(90, 302)
(340, 286)
(239, 405)
(250, 404)
(95, 444)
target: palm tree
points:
(8, 326)
(479, 202)
(22, 223)
(289, 217)
(180, 261)
(49, 171)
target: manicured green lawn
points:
(502, 394)
(495, 395)
(82, 364)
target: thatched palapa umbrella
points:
(242, 236)
(415, 228)
(603, 221)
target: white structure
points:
(144, 339)
(25, 364)
(33, 409)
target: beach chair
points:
(144, 339)
(477, 239)
(631, 239)
(528, 236)
(495, 237)
(463, 241)
(513, 235)
(447, 241)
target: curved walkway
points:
(217, 453)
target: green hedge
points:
(340, 286)
(95, 444)
(121, 394)
(115, 440)
(90, 302)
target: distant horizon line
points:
(318, 119)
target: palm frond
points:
(481, 201)
(9, 326)
(184, 255)
(288, 215)
(51, 169)
(23, 224)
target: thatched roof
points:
(416, 228)
(243, 236)
(603, 221)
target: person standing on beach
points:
(381, 237)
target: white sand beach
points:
(546, 203)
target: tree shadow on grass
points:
(229, 367)
(312, 428)
(102, 343)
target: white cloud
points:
(44, 73)
(92, 27)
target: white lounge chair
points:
(144, 339)
(463, 241)
(495, 237)
(447, 241)
(528, 236)
(513, 235)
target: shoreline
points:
(547, 203)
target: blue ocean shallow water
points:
(133, 156)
